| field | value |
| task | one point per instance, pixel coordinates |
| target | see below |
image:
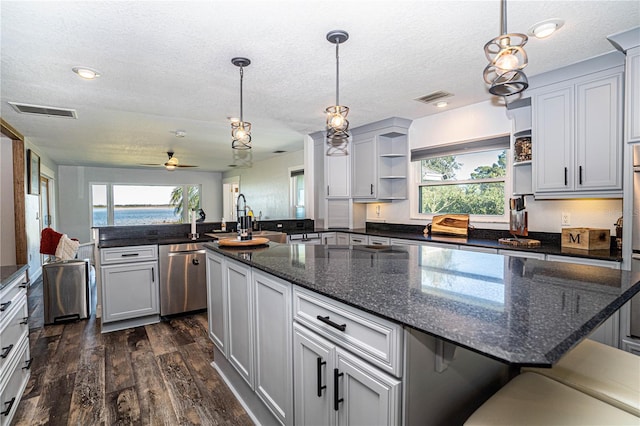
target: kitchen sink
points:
(275, 236)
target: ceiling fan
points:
(171, 164)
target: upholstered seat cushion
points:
(606, 373)
(533, 399)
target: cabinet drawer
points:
(358, 239)
(14, 329)
(14, 384)
(377, 340)
(128, 254)
(10, 297)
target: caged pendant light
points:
(507, 58)
(337, 123)
(241, 130)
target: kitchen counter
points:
(141, 241)
(520, 311)
(546, 247)
(10, 272)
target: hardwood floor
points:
(153, 375)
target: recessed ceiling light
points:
(545, 28)
(441, 104)
(87, 73)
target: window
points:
(459, 181)
(297, 193)
(122, 204)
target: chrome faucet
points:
(244, 221)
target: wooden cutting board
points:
(450, 224)
(520, 242)
(232, 242)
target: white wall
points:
(266, 184)
(7, 221)
(482, 120)
(74, 196)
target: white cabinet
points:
(216, 297)
(632, 95)
(15, 359)
(129, 291)
(342, 238)
(339, 355)
(380, 160)
(577, 137)
(379, 241)
(329, 238)
(338, 176)
(358, 239)
(273, 334)
(240, 352)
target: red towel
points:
(49, 241)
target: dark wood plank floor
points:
(153, 375)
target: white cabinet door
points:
(313, 359)
(632, 95)
(240, 316)
(364, 395)
(329, 238)
(553, 124)
(599, 134)
(338, 176)
(364, 167)
(342, 239)
(216, 297)
(129, 291)
(273, 329)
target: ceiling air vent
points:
(44, 110)
(432, 97)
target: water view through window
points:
(142, 204)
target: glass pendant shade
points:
(337, 126)
(507, 58)
(241, 130)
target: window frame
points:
(416, 183)
(111, 205)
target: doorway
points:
(230, 192)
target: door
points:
(240, 316)
(312, 364)
(364, 395)
(274, 367)
(129, 291)
(364, 168)
(338, 176)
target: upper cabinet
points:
(577, 134)
(633, 95)
(380, 160)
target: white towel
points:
(67, 248)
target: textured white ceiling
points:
(167, 66)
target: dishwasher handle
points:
(182, 253)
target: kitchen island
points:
(480, 313)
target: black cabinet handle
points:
(153, 274)
(10, 404)
(319, 364)
(580, 175)
(195, 262)
(28, 364)
(326, 320)
(4, 306)
(371, 189)
(578, 304)
(5, 351)
(336, 399)
(129, 254)
(24, 284)
(565, 177)
(25, 321)
(563, 300)
(327, 189)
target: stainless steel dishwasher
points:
(183, 279)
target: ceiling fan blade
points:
(185, 165)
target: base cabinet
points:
(216, 296)
(334, 387)
(129, 291)
(240, 320)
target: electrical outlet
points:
(566, 219)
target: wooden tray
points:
(520, 242)
(257, 241)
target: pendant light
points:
(506, 58)
(241, 130)
(337, 123)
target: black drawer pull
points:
(129, 254)
(565, 177)
(4, 306)
(336, 399)
(5, 351)
(326, 320)
(8, 410)
(24, 284)
(24, 321)
(371, 189)
(28, 364)
(319, 364)
(580, 175)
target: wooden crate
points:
(586, 238)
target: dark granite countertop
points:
(10, 272)
(141, 241)
(520, 311)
